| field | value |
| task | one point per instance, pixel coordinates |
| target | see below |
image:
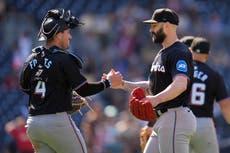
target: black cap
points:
(200, 45)
(187, 40)
(55, 21)
(163, 15)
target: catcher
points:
(49, 76)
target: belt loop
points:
(158, 112)
(161, 111)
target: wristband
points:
(106, 83)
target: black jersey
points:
(207, 87)
(49, 76)
(169, 62)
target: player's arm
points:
(178, 86)
(88, 89)
(129, 86)
(23, 80)
(225, 108)
(112, 80)
(93, 88)
(222, 98)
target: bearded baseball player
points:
(169, 83)
(208, 87)
(204, 94)
(49, 77)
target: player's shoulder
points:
(52, 51)
(182, 48)
(179, 48)
(208, 69)
(59, 55)
(76, 58)
(179, 51)
(217, 73)
(35, 51)
(38, 49)
(67, 56)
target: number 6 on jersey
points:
(198, 94)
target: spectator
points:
(16, 128)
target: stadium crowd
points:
(113, 37)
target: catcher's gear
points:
(57, 20)
(77, 103)
(145, 133)
(141, 110)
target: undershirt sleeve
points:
(89, 89)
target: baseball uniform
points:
(49, 76)
(207, 88)
(175, 118)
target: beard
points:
(159, 36)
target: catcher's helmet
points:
(55, 21)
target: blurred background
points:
(113, 37)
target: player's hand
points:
(115, 78)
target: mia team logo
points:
(181, 65)
(157, 67)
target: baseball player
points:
(49, 76)
(208, 87)
(169, 83)
(202, 99)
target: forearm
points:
(89, 89)
(129, 86)
(225, 108)
(178, 86)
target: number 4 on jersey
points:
(40, 89)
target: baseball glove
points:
(145, 133)
(141, 110)
(77, 103)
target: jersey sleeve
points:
(181, 64)
(73, 73)
(221, 90)
(24, 81)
